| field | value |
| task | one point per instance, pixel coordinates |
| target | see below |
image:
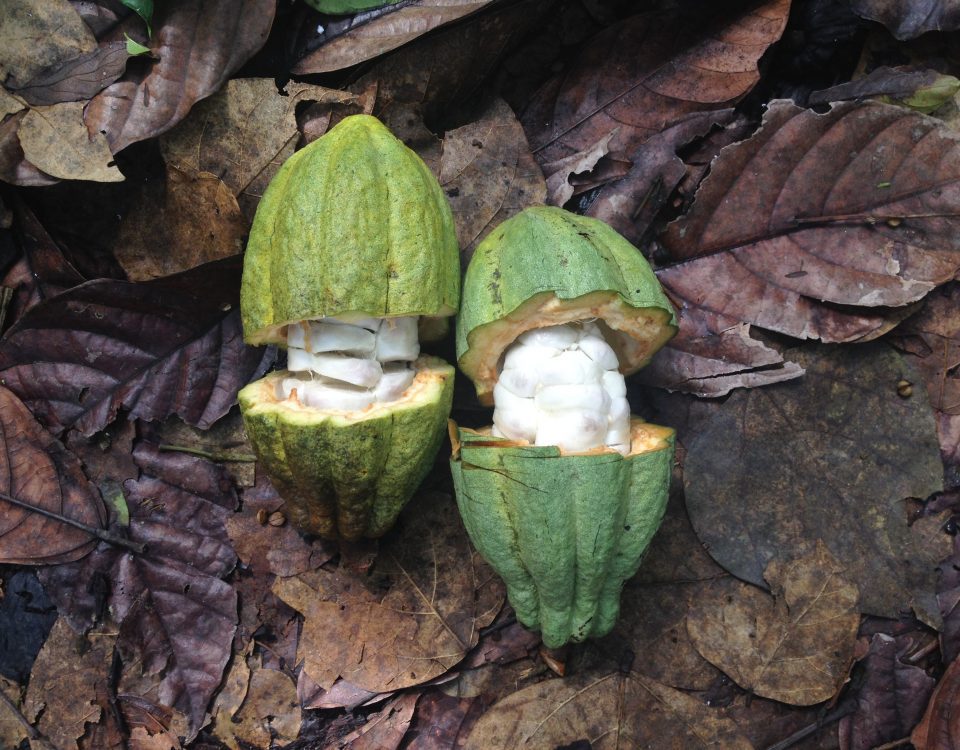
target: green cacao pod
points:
(353, 229)
(564, 529)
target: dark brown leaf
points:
(198, 45)
(900, 84)
(384, 730)
(442, 722)
(78, 79)
(643, 75)
(603, 712)
(37, 469)
(907, 19)
(794, 647)
(940, 727)
(830, 456)
(488, 174)
(170, 346)
(14, 167)
(365, 36)
(256, 706)
(12, 730)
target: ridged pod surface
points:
(563, 531)
(353, 224)
(546, 266)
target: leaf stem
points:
(238, 458)
(101, 534)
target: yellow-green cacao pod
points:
(563, 531)
(353, 227)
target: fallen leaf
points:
(268, 710)
(422, 623)
(940, 727)
(243, 133)
(795, 646)
(78, 79)
(368, 35)
(12, 731)
(198, 45)
(55, 140)
(442, 722)
(179, 223)
(342, 694)
(169, 346)
(14, 167)
(488, 174)
(908, 19)
(153, 727)
(39, 35)
(818, 223)
(503, 643)
(642, 75)
(385, 729)
(63, 685)
(891, 698)
(604, 711)
(37, 469)
(901, 84)
(830, 456)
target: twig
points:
(237, 458)
(902, 742)
(101, 534)
(838, 713)
(32, 732)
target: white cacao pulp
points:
(560, 386)
(349, 365)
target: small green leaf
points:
(346, 7)
(144, 9)
(134, 47)
(112, 492)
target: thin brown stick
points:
(32, 732)
(838, 713)
(101, 534)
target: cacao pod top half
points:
(354, 224)
(546, 266)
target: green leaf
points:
(144, 9)
(345, 7)
(134, 47)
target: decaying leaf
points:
(178, 223)
(488, 174)
(36, 469)
(55, 140)
(384, 730)
(78, 79)
(603, 711)
(438, 596)
(366, 36)
(12, 730)
(169, 346)
(922, 89)
(256, 707)
(907, 19)
(442, 721)
(940, 727)
(198, 44)
(794, 647)
(830, 456)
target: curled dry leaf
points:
(647, 73)
(604, 712)
(488, 174)
(940, 727)
(198, 45)
(178, 223)
(794, 647)
(830, 456)
(369, 35)
(169, 346)
(438, 597)
(37, 469)
(907, 19)
(385, 729)
(907, 85)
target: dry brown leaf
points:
(63, 684)
(14, 167)
(78, 79)
(39, 35)
(142, 739)
(198, 44)
(488, 174)
(177, 224)
(559, 188)
(55, 140)
(12, 730)
(359, 39)
(424, 620)
(603, 712)
(794, 647)
(907, 19)
(243, 133)
(256, 707)
(384, 730)
(940, 727)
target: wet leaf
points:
(488, 174)
(198, 45)
(37, 36)
(436, 598)
(169, 346)
(605, 711)
(907, 19)
(78, 79)
(891, 699)
(64, 682)
(853, 208)
(243, 133)
(940, 727)
(38, 470)
(830, 456)
(363, 37)
(385, 729)
(55, 140)
(647, 73)
(794, 647)
(179, 223)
